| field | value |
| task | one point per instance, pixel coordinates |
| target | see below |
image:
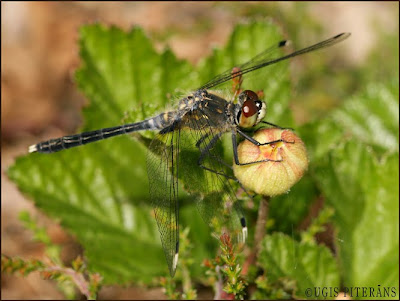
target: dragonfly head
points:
(252, 110)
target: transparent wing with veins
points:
(215, 188)
(162, 167)
(266, 58)
(188, 152)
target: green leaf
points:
(309, 264)
(99, 192)
(371, 116)
(354, 163)
(364, 192)
(121, 71)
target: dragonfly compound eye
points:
(251, 108)
(251, 95)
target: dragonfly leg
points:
(255, 142)
(235, 151)
(201, 140)
(204, 153)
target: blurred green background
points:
(40, 98)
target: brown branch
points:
(76, 277)
(259, 234)
(218, 284)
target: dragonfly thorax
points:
(251, 110)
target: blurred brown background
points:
(40, 100)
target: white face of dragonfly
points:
(252, 110)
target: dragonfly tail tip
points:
(32, 148)
(284, 43)
(175, 261)
(244, 232)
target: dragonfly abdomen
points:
(66, 142)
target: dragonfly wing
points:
(265, 55)
(268, 57)
(163, 183)
(213, 185)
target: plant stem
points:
(218, 284)
(76, 277)
(261, 222)
(259, 234)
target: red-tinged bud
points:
(225, 239)
(207, 263)
(271, 178)
(46, 274)
(226, 296)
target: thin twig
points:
(186, 281)
(76, 277)
(261, 222)
(259, 234)
(218, 284)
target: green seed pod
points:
(271, 178)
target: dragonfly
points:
(191, 131)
